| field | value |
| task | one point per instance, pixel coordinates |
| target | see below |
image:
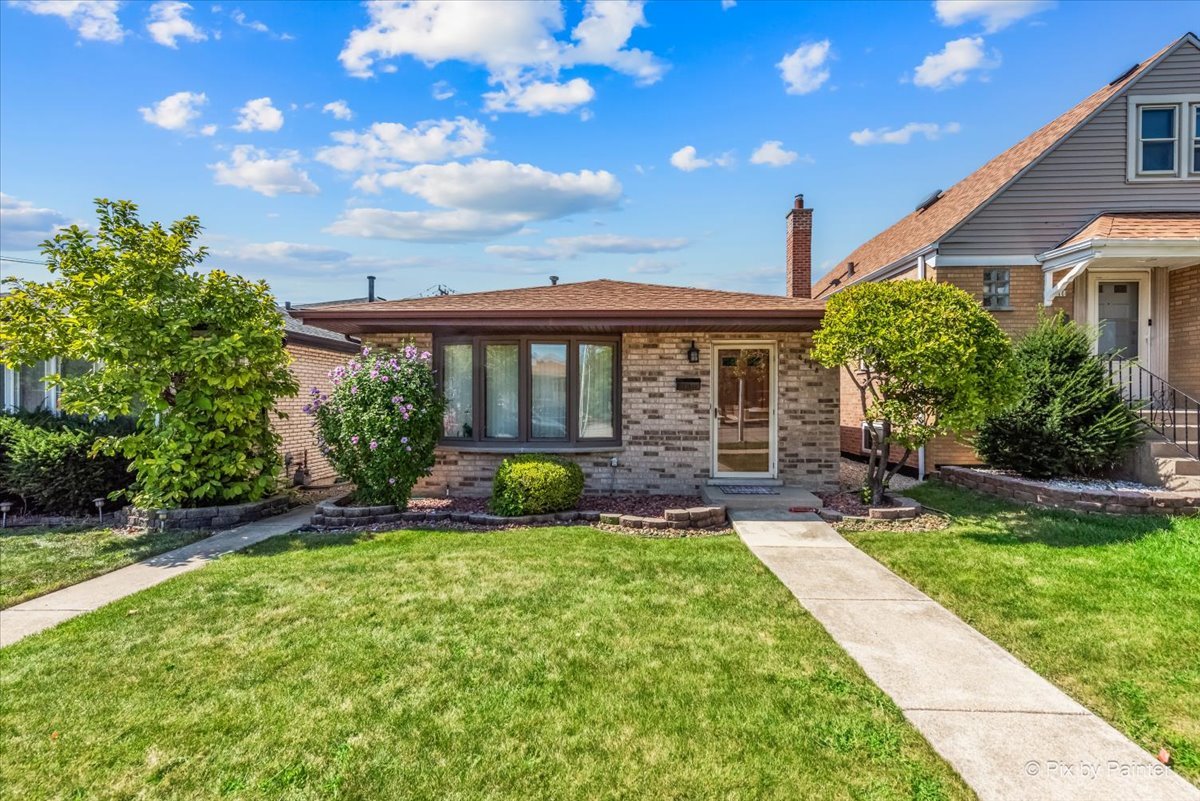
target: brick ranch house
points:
(1097, 214)
(649, 388)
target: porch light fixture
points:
(693, 353)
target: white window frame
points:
(1183, 105)
(1007, 296)
(12, 392)
(1194, 140)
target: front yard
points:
(539, 663)
(35, 561)
(1107, 608)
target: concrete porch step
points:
(783, 499)
(1188, 484)
(747, 482)
(1162, 449)
(1178, 466)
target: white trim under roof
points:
(1014, 260)
(1126, 253)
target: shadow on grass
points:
(991, 521)
(308, 541)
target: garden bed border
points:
(208, 517)
(329, 514)
(1036, 493)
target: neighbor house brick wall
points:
(311, 366)
(1183, 352)
(666, 432)
(1025, 299)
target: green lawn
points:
(564, 663)
(34, 562)
(1107, 608)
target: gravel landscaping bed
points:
(852, 474)
(638, 505)
(924, 522)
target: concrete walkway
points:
(1009, 733)
(49, 610)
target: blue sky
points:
(488, 146)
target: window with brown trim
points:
(552, 391)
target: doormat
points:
(747, 489)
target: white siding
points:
(1083, 177)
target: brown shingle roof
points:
(1140, 225)
(593, 305)
(921, 229)
(589, 297)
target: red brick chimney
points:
(799, 250)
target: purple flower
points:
(384, 377)
(314, 392)
(404, 440)
(408, 448)
(354, 440)
(354, 389)
(426, 355)
(374, 444)
(397, 399)
(391, 481)
(366, 352)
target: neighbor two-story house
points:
(1096, 214)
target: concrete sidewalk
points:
(1008, 732)
(41, 613)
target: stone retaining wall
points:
(1036, 493)
(329, 515)
(209, 517)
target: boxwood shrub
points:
(535, 484)
(46, 463)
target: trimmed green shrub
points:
(1070, 419)
(535, 484)
(46, 463)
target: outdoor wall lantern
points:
(693, 353)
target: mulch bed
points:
(848, 502)
(922, 522)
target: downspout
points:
(921, 450)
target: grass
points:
(555, 663)
(35, 561)
(1107, 608)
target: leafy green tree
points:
(198, 357)
(926, 358)
(1070, 419)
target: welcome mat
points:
(747, 489)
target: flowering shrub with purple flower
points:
(380, 423)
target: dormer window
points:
(1162, 135)
(1158, 138)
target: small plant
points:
(380, 424)
(1070, 419)
(535, 484)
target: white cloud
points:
(516, 42)
(442, 90)
(252, 168)
(94, 20)
(287, 252)
(340, 110)
(388, 144)
(569, 247)
(902, 136)
(24, 226)
(424, 226)
(614, 243)
(536, 97)
(685, 159)
(773, 154)
(167, 24)
(728, 4)
(805, 69)
(647, 266)
(995, 15)
(502, 187)
(259, 115)
(242, 20)
(954, 64)
(177, 112)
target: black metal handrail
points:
(1164, 408)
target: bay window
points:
(556, 392)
